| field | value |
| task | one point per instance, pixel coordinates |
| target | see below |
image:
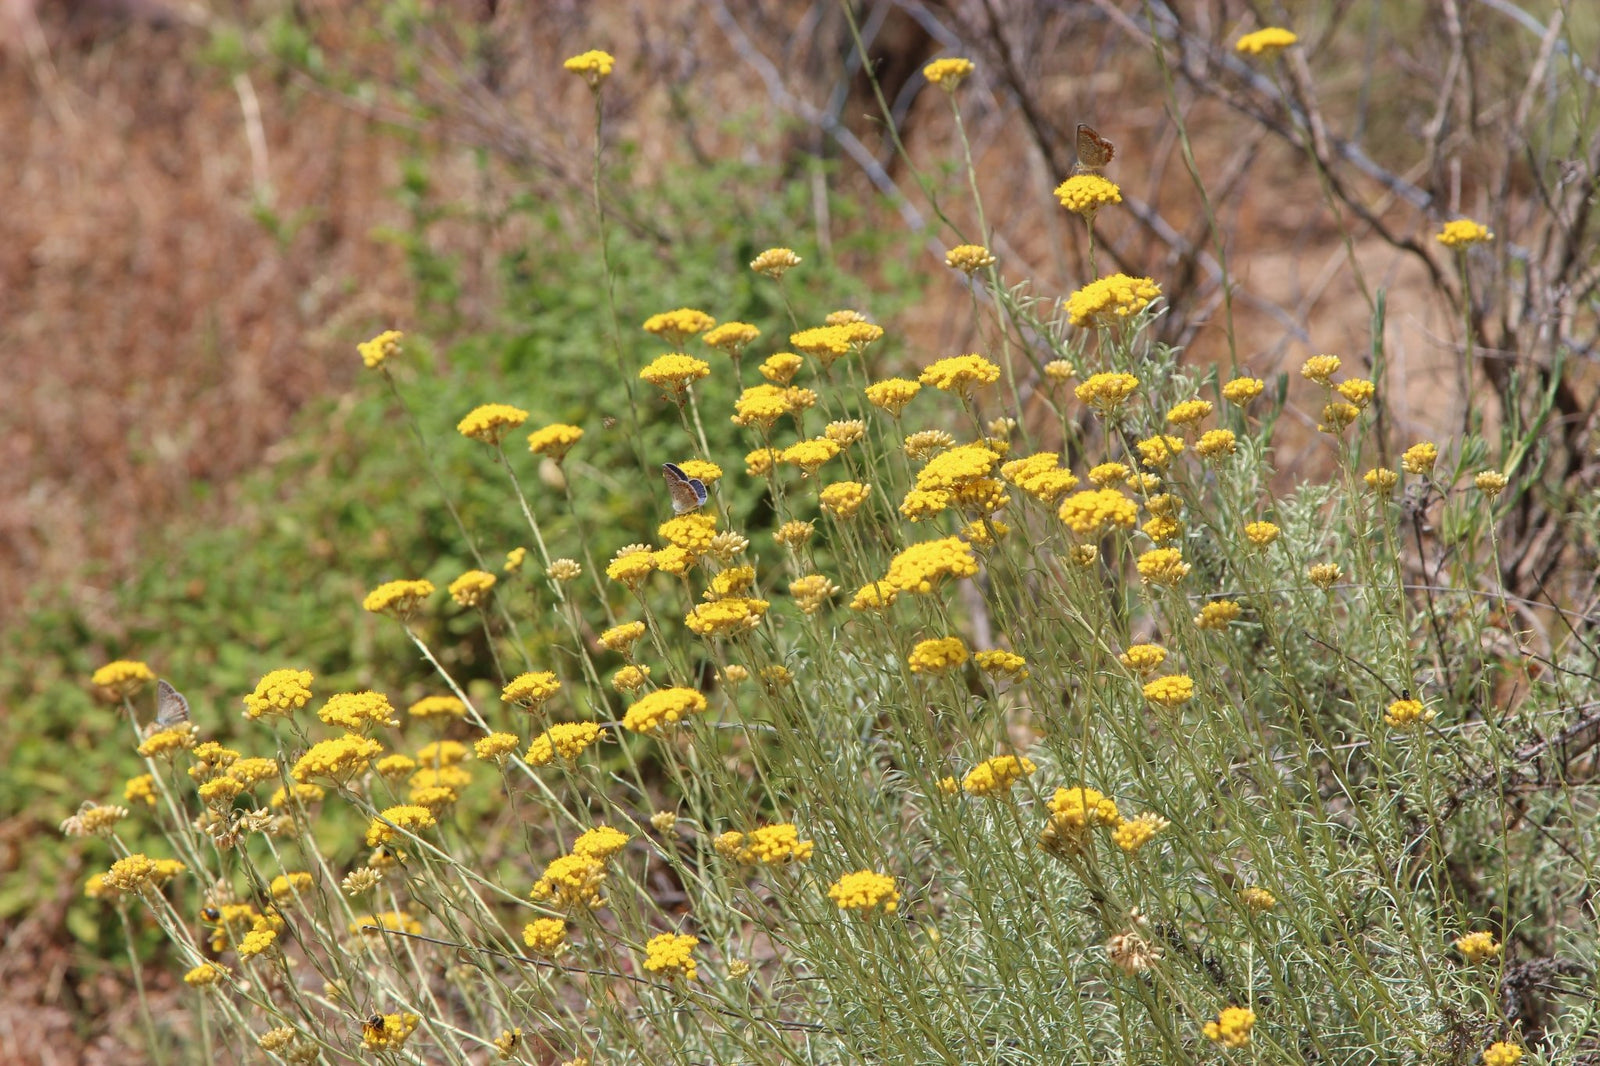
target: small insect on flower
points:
(1094, 151)
(688, 493)
(171, 708)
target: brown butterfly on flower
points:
(1094, 151)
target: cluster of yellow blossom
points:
(1232, 1027)
(669, 954)
(949, 73)
(674, 372)
(554, 441)
(385, 346)
(1041, 476)
(663, 707)
(864, 891)
(994, 777)
(960, 374)
(399, 599)
(279, 692)
(937, 656)
(122, 678)
(675, 327)
(770, 845)
(1084, 194)
(566, 739)
(1111, 299)
(1266, 41)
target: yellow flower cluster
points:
(1266, 41)
(1095, 511)
(760, 406)
(1261, 534)
(1217, 614)
(1135, 833)
(826, 344)
(338, 759)
(566, 739)
(674, 372)
(122, 678)
(1232, 1027)
(1381, 480)
(994, 777)
(1104, 392)
(864, 891)
(843, 499)
(1143, 659)
(1321, 368)
(1241, 391)
(949, 73)
(675, 327)
(357, 711)
(968, 258)
(279, 692)
(398, 599)
(923, 567)
(1041, 476)
(725, 617)
(385, 827)
(669, 954)
(809, 455)
(1501, 1053)
(491, 422)
(937, 656)
(571, 882)
(385, 346)
(554, 441)
(391, 1033)
(1419, 458)
(531, 689)
(775, 262)
(1170, 692)
(594, 66)
(1463, 233)
(437, 707)
(1002, 664)
(1084, 194)
(770, 845)
(731, 337)
(205, 975)
(1478, 947)
(545, 936)
(1157, 452)
(663, 707)
(1404, 714)
(812, 592)
(1109, 299)
(1162, 566)
(892, 394)
(959, 374)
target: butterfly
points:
(1094, 151)
(171, 708)
(688, 493)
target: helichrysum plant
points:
(1059, 734)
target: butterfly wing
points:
(687, 492)
(1094, 151)
(171, 708)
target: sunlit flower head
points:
(385, 827)
(810, 455)
(775, 262)
(726, 617)
(948, 73)
(669, 954)
(675, 327)
(1108, 300)
(923, 567)
(554, 441)
(495, 747)
(1217, 614)
(1189, 412)
(545, 936)
(1135, 833)
(1419, 458)
(995, 776)
(794, 534)
(1060, 370)
(1491, 483)
(770, 845)
(1320, 368)
(1172, 691)
(1041, 476)
(572, 882)
(878, 596)
(812, 592)
(532, 689)
(969, 258)
(622, 637)
(731, 337)
(1084, 194)
(865, 891)
(1106, 392)
(1501, 1053)
(937, 656)
(380, 349)
(357, 711)
(398, 599)
(1478, 947)
(960, 374)
(205, 975)
(594, 66)
(1002, 664)
(924, 444)
(1358, 391)
(122, 678)
(674, 372)
(663, 707)
(1143, 659)
(566, 740)
(1381, 480)
(1157, 452)
(781, 367)
(1407, 714)
(843, 499)
(1261, 534)
(1265, 42)
(1324, 575)
(1463, 233)
(1216, 444)
(472, 588)
(1093, 512)
(279, 692)
(1241, 391)
(1232, 1027)
(491, 422)
(338, 759)
(388, 1032)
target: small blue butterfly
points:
(171, 708)
(688, 493)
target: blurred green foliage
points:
(346, 501)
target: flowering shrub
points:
(847, 802)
